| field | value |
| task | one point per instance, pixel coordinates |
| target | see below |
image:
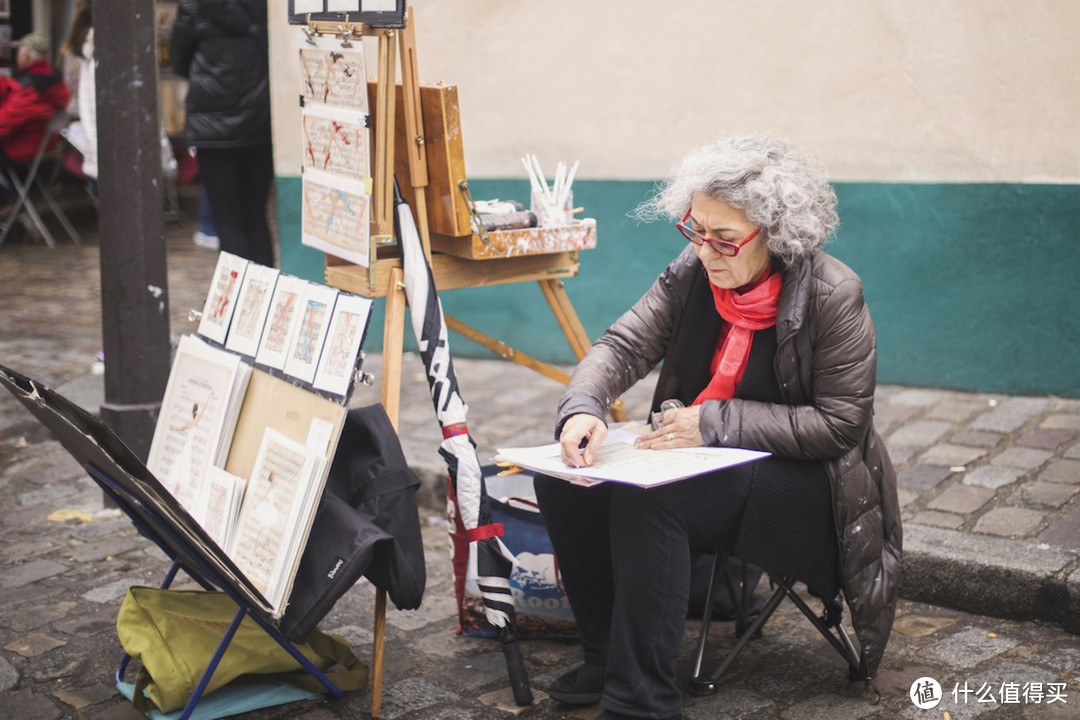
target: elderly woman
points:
(768, 343)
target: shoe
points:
(581, 686)
(207, 241)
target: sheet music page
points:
(193, 414)
(277, 490)
(619, 461)
(218, 504)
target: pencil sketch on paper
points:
(333, 75)
(336, 141)
(335, 217)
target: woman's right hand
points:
(580, 429)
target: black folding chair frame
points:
(829, 624)
(34, 178)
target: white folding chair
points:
(34, 178)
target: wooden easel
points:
(461, 262)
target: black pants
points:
(624, 555)
(237, 182)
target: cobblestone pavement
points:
(988, 485)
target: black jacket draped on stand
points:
(367, 525)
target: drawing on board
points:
(251, 309)
(335, 217)
(280, 321)
(316, 305)
(333, 75)
(336, 141)
(221, 300)
(347, 328)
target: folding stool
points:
(829, 624)
(35, 178)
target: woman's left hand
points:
(680, 429)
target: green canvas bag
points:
(175, 633)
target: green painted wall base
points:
(971, 286)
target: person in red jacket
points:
(29, 99)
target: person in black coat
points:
(221, 47)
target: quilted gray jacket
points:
(221, 47)
(825, 364)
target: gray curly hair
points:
(782, 189)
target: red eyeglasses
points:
(724, 247)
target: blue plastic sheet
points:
(231, 700)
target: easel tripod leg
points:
(378, 646)
(571, 326)
(393, 337)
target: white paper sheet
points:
(275, 515)
(219, 503)
(198, 416)
(619, 461)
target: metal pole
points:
(134, 284)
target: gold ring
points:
(670, 437)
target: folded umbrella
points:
(467, 496)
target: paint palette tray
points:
(449, 220)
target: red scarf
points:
(743, 313)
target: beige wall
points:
(882, 90)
